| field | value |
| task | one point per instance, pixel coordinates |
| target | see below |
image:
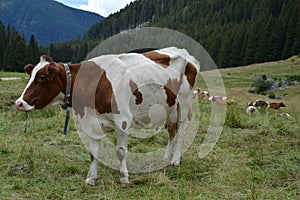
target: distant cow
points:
(283, 115)
(203, 94)
(197, 93)
(147, 90)
(258, 103)
(274, 105)
(251, 110)
(222, 100)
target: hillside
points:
(238, 80)
(48, 20)
(258, 159)
(234, 32)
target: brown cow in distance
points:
(222, 100)
(276, 106)
(258, 103)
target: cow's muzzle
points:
(23, 106)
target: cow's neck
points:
(73, 71)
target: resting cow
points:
(197, 93)
(127, 90)
(251, 110)
(258, 103)
(274, 105)
(222, 100)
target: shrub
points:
(272, 95)
(291, 78)
(280, 82)
(262, 86)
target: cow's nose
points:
(19, 105)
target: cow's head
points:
(44, 85)
(281, 104)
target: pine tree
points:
(33, 50)
(224, 59)
(9, 60)
(237, 52)
(290, 34)
(250, 46)
(82, 51)
(2, 43)
(296, 46)
(21, 54)
(262, 38)
(53, 52)
(274, 45)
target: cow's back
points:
(147, 86)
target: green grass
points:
(12, 74)
(255, 158)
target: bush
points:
(280, 82)
(294, 77)
(262, 86)
(272, 95)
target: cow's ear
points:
(28, 68)
(46, 58)
(51, 71)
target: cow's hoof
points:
(175, 163)
(124, 181)
(90, 182)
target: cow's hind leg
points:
(182, 122)
(121, 149)
(172, 129)
(92, 175)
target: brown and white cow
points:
(199, 94)
(125, 90)
(222, 100)
(251, 110)
(196, 93)
(258, 103)
(275, 105)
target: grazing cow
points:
(251, 110)
(197, 93)
(283, 115)
(274, 105)
(203, 94)
(258, 103)
(147, 90)
(206, 98)
(222, 100)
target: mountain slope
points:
(234, 32)
(48, 20)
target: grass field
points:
(255, 158)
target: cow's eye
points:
(41, 78)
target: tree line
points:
(234, 32)
(15, 53)
(241, 32)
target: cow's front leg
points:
(121, 149)
(92, 175)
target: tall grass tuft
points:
(233, 117)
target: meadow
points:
(255, 157)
